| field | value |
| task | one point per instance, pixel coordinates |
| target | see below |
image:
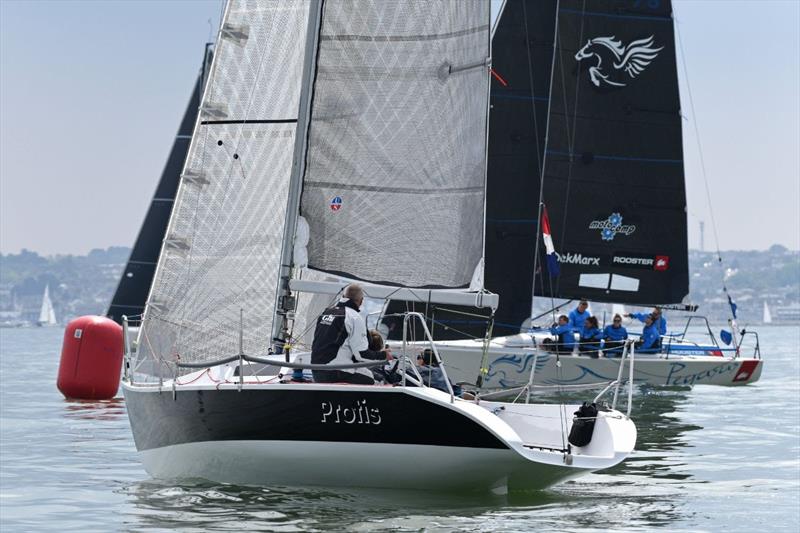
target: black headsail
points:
(613, 175)
(134, 284)
(522, 57)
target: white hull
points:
(509, 366)
(421, 439)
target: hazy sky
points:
(91, 94)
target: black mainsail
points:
(613, 174)
(134, 284)
(595, 108)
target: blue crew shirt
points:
(590, 338)
(610, 333)
(661, 323)
(578, 319)
(565, 336)
(591, 334)
(650, 338)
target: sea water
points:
(709, 459)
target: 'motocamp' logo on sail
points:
(611, 226)
(631, 59)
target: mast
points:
(284, 302)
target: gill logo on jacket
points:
(614, 60)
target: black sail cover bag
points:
(583, 425)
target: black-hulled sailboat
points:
(349, 137)
(585, 121)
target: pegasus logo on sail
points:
(632, 59)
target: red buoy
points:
(91, 359)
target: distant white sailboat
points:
(47, 315)
(767, 318)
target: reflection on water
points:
(706, 459)
(661, 435)
(213, 506)
(113, 409)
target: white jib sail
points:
(217, 272)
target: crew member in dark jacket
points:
(341, 338)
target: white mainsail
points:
(393, 190)
(767, 318)
(47, 314)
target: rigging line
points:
(699, 147)
(544, 158)
(533, 93)
(570, 136)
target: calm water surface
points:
(710, 459)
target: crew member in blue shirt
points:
(590, 337)
(578, 316)
(651, 340)
(566, 337)
(614, 335)
(656, 315)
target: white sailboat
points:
(47, 314)
(349, 137)
(767, 316)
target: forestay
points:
(220, 258)
(393, 188)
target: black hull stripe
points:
(299, 415)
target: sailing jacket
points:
(661, 323)
(650, 338)
(610, 333)
(565, 335)
(341, 338)
(590, 338)
(578, 319)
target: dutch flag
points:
(550, 250)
